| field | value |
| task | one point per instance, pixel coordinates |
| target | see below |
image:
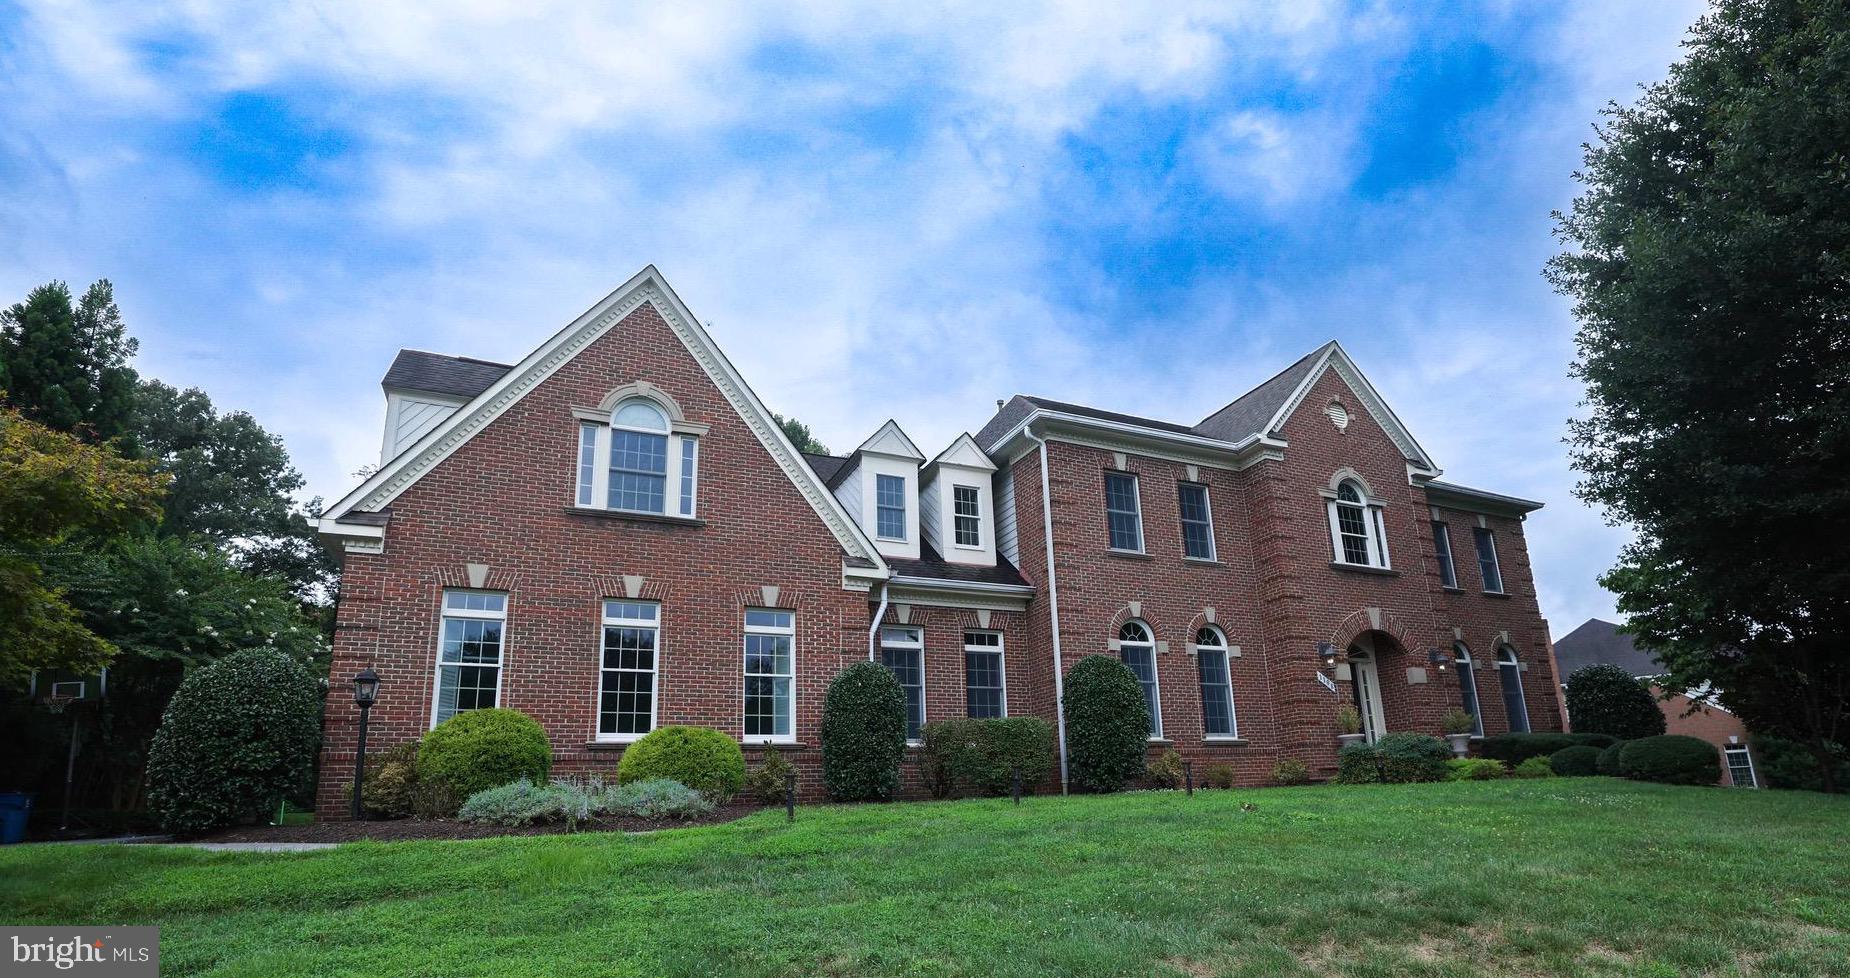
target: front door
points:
(1365, 683)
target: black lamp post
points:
(365, 691)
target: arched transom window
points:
(637, 462)
(1509, 674)
(1357, 533)
(1138, 650)
(1467, 687)
(1216, 671)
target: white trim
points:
(1207, 503)
(1753, 777)
(1506, 656)
(1137, 498)
(444, 613)
(1226, 660)
(1374, 526)
(1336, 358)
(1156, 675)
(891, 440)
(647, 286)
(748, 630)
(82, 687)
(1002, 665)
(1448, 566)
(965, 452)
(977, 500)
(916, 644)
(1467, 669)
(605, 621)
(1496, 561)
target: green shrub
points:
(524, 803)
(238, 736)
(575, 802)
(863, 734)
(1291, 771)
(1397, 758)
(766, 781)
(1107, 724)
(1670, 759)
(701, 758)
(391, 787)
(480, 749)
(1783, 763)
(1608, 763)
(1218, 776)
(1168, 771)
(1457, 721)
(1579, 761)
(1607, 699)
(1535, 767)
(1475, 769)
(983, 755)
(656, 799)
(1518, 747)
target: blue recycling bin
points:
(15, 808)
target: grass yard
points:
(1565, 877)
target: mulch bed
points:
(401, 830)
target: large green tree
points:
(65, 365)
(800, 435)
(1710, 271)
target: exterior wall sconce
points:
(1326, 653)
(1439, 660)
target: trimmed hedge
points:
(1397, 758)
(1475, 769)
(480, 749)
(1608, 763)
(863, 734)
(1107, 724)
(982, 754)
(238, 736)
(1783, 763)
(701, 758)
(1608, 700)
(1515, 748)
(1535, 767)
(1579, 761)
(1671, 759)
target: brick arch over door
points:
(1367, 620)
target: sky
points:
(902, 211)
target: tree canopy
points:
(799, 435)
(1708, 265)
(66, 366)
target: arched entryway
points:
(1370, 657)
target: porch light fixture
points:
(1326, 653)
(365, 691)
(366, 687)
(1439, 660)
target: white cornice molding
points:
(930, 592)
(1336, 358)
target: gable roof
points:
(964, 451)
(1598, 642)
(647, 286)
(439, 373)
(891, 439)
(1253, 412)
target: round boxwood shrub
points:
(700, 757)
(238, 735)
(1608, 763)
(1783, 763)
(863, 734)
(1107, 724)
(1670, 759)
(480, 749)
(1514, 748)
(1398, 758)
(1606, 699)
(1534, 767)
(1575, 762)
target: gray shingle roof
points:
(825, 466)
(438, 373)
(931, 565)
(1598, 642)
(1254, 409)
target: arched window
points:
(1510, 674)
(1217, 717)
(1356, 530)
(640, 460)
(1138, 651)
(1467, 687)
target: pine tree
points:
(66, 366)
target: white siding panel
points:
(929, 510)
(1007, 539)
(848, 490)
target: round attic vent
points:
(1339, 415)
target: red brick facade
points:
(503, 500)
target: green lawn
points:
(1565, 877)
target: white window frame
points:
(654, 671)
(1002, 670)
(790, 632)
(1226, 657)
(1506, 659)
(902, 480)
(1156, 675)
(1728, 752)
(916, 643)
(1136, 501)
(599, 432)
(1496, 562)
(444, 614)
(1467, 673)
(1442, 549)
(1207, 508)
(975, 516)
(1374, 526)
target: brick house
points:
(613, 535)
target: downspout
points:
(879, 615)
(1053, 605)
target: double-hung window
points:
(626, 684)
(1467, 686)
(967, 516)
(1138, 651)
(770, 674)
(1357, 532)
(902, 650)
(1217, 717)
(1487, 561)
(469, 653)
(1509, 675)
(1123, 513)
(890, 507)
(638, 462)
(1197, 522)
(985, 688)
(1442, 547)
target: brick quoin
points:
(504, 499)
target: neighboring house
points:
(1598, 642)
(613, 535)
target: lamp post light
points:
(365, 691)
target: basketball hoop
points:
(55, 704)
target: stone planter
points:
(1344, 740)
(1461, 743)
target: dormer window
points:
(967, 515)
(640, 459)
(890, 503)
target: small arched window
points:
(638, 461)
(1138, 651)
(1467, 687)
(1509, 674)
(1357, 535)
(1216, 672)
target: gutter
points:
(1053, 606)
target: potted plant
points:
(1458, 725)
(1349, 726)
